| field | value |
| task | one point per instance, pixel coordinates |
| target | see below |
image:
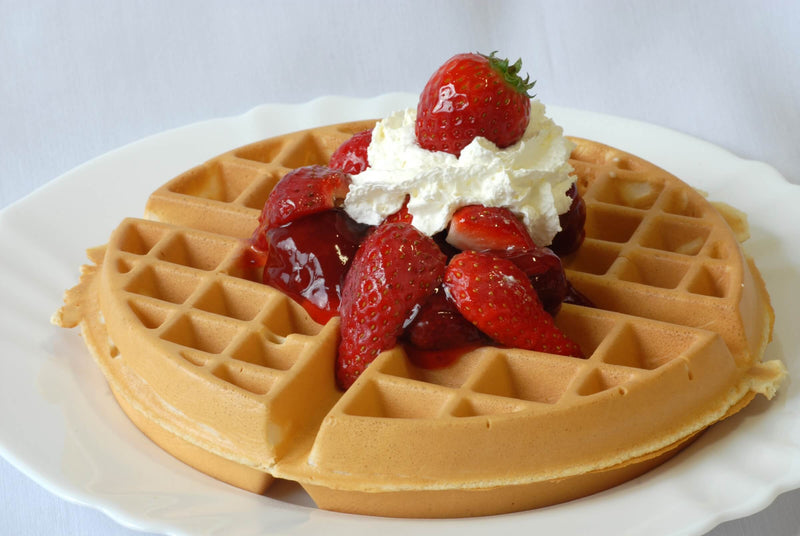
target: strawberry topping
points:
(308, 257)
(572, 232)
(473, 95)
(479, 228)
(438, 325)
(482, 280)
(496, 296)
(402, 215)
(351, 156)
(499, 231)
(545, 271)
(304, 191)
(395, 270)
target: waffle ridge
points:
(234, 378)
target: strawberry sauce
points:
(307, 259)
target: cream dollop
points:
(531, 177)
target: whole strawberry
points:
(473, 95)
(394, 271)
(496, 296)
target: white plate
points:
(60, 425)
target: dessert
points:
(235, 376)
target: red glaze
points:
(436, 359)
(576, 297)
(307, 259)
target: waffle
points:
(234, 378)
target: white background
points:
(80, 78)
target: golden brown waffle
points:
(234, 378)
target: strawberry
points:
(401, 215)
(394, 271)
(304, 191)
(473, 95)
(439, 335)
(478, 228)
(439, 325)
(545, 272)
(351, 156)
(498, 231)
(572, 233)
(496, 296)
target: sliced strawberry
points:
(303, 191)
(545, 271)
(496, 296)
(439, 325)
(499, 231)
(439, 335)
(480, 228)
(351, 156)
(393, 273)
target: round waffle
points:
(234, 378)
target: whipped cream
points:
(531, 177)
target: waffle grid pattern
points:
(656, 239)
(226, 194)
(657, 221)
(187, 288)
(495, 381)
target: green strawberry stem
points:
(511, 74)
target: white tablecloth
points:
(80, 78)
